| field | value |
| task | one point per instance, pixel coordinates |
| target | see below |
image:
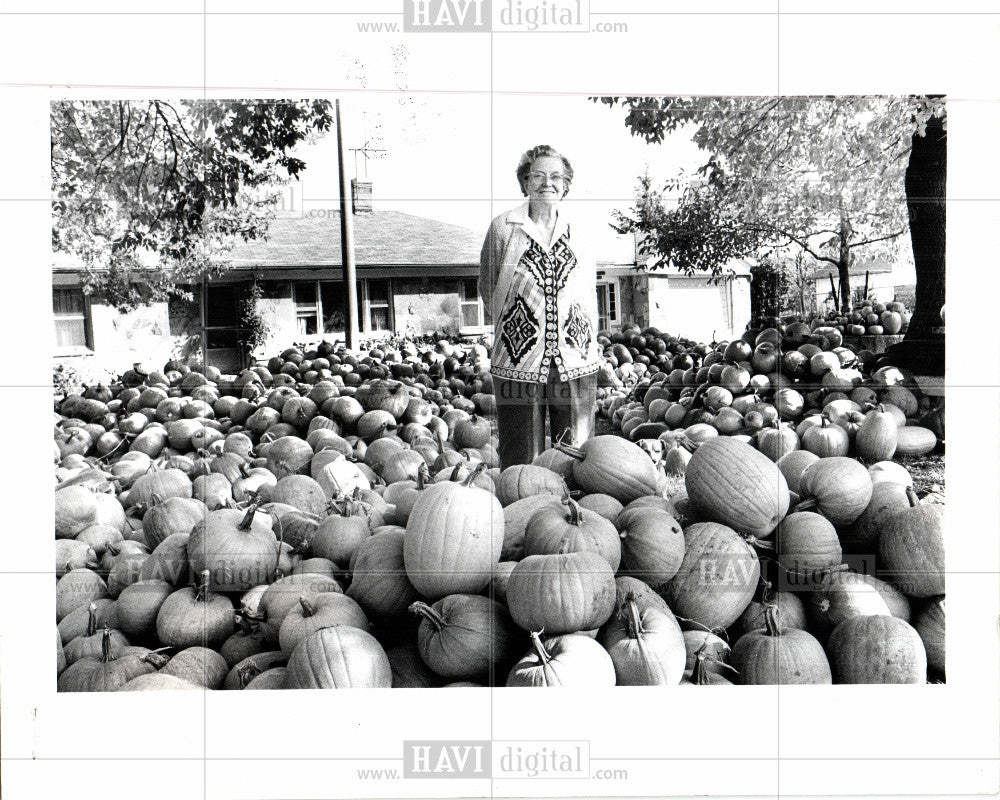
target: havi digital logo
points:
(447, 15)
(447, 759)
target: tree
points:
(150, 195)
(922, 350)
(822, 174)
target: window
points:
(71, 310)
(607, 304)
(331, 301)
(307, 310)
(379, 306)
(471, 304)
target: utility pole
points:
(347, 243)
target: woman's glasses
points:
(554, 177)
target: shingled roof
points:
(380, 238)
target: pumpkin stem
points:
(456, 471)
(911, 497)
(700, 674)
(158, 660)
(106, 654)
(201, 593)
(421, 609)
(771, 619)
(91, 619)
(633, 621)
(804, 505)
(281, 541)
(573, 452)
(248, 518)
(248, 673)
(759, 543)
(308, 610)
(423, 474)
(575, 512)
(536, 641)
(474, 474)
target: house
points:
(695, 306)
(414, 275)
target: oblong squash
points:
(717, 578)
(735, 484)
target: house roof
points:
(380, 238)
(821, 270)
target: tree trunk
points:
(844, 264)
(922, 350)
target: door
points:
(223, 327)
(607, 305)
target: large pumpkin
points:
(840, 596)
(316, 611)
(572, 660)
(379, 582)
(841, 487)
(646, 646)
(911, 548)
(732, 483)
(929, 623)
(527, 480)
(341, 657)
(339, 536)
(194, 616)
(877, 437)
(173, 515)
(791, 612)
(238, 548)
(568, 529)
(888, 498)
(652, 545)
(454, 537)
(777, 655)
(516, 517)
(614, 466)
(877, 649)
(138, 605)
(717, 578)
(106, 673)
(562, 593)
(807, 546)
(464, 635)
(283, 595)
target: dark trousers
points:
(522, 408)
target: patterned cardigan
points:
(547, 316)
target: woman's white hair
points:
(528, 159)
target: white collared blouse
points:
(541, 297)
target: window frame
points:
(613, 293)
(366, 315)
(86, 317)
(464, 300)
(302, 309)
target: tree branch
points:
(879, 239)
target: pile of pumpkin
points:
(872, 318)
(781, 394)
(265, 532)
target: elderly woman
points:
(538, 283)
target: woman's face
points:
(545, 182)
